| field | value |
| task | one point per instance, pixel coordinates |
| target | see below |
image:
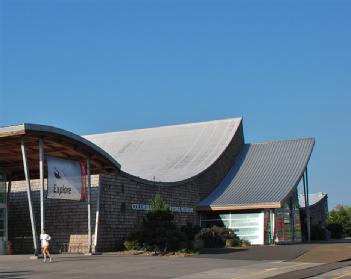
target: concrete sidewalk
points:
(330, 256)
(327, 253)
(312, 271)
(314, 252)
(334, 255)
(258, 253)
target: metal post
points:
(274, 225)
(308, 209)
(41, 171)
(292, 218)
(89, 201)
(271, 227)
(307, 213)
(304, 189)
(6, 235)
(29, 194)
(9, 186)
(97, 215)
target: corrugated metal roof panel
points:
(169, 153)
(263, 173)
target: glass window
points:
(248, 226)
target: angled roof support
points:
(97, 217)
(29, 194)
(41, 172)
(89, 204)
(307, 204)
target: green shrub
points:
(198, 244)
(229, 243)
(318, 232)
(244, 243)
(158, 232)
(189, 232)
(131, 245)
(215, 237)
(336, 230)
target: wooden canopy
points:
(57, 142)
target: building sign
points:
(147, 207)
(139, 206)
(66, 179)
(182, 209)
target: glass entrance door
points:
(3, 215)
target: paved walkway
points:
(146, 267)
(344, 273)
(324, 252)
(259, 253)
(315, 271)
(317, 252)
(327, 253)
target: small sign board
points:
(66, 179)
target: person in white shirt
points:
(44, 237)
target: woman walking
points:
(44, 237)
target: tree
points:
(158, 231)
(340, 217)
(157, 203)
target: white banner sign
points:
(66, 179)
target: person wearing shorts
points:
(44, 237)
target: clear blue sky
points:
(96, 66)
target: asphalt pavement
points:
(146, 267)
(253, 263)
(259, 253)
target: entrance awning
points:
(57, 142)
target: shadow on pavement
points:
(14, 274)
(258, 253)
(217, 251)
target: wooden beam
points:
(239, 207)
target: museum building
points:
(205, 171)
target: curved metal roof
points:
(313, 198)
(169, 153)
(57, 142)
(263, 175)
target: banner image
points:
(66, 179)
